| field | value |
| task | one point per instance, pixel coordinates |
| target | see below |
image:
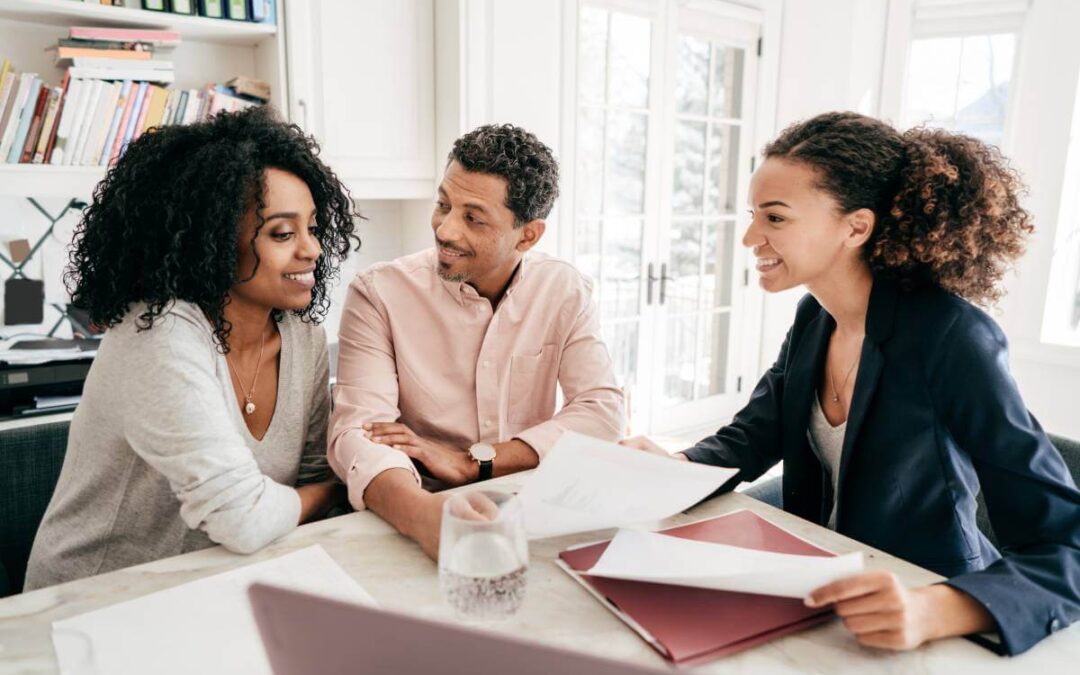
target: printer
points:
(36, 374)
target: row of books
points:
(118, 54)
(259, 11)
(90, 122)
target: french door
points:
(664, 94)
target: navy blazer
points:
(934, 418)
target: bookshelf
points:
(67, 13)
(211, 50)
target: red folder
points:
(693, 625)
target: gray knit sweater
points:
(159, 460)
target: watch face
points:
(482, 452)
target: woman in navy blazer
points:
(895, 235)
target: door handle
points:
(651, 279)
(664, 278)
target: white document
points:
(660, 558)
(584, 484)
(205, 626)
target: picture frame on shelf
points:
(212, 9)
(237, 10)
(186, 7)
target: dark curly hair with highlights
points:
(527, 165)
(165, 222)
(947, 206)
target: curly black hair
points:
(165, 221)
(947, 205)
(518, 156)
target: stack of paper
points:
(205, 626)
(662, 559)
(584, 484)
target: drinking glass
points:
(483, 554)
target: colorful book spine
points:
(25, 118)
(48, 123)
(65, 87)
(121, 129)
(14, 112)
(34, 131)
(76, 89)
(129, 133)
(121, 103)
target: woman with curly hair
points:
(207, 253)
(891, 404)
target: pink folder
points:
(694, 625)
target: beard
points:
(446, 275)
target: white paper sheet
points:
(649, 556)
(584, 484)
(205, 626)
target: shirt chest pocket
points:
(533, 378)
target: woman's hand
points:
(881, 613)
(644, 443)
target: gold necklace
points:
(832, 380)
(249, 404)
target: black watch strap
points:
(486, 469)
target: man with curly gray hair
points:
(450, 358)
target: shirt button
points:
(487, 423)
(1055, 625)
(487, 364)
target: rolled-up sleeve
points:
(178, 423)
(595, 403)
(366, 391)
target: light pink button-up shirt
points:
(431, 354)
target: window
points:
(664, 98)
(960, 83)
(1061, 319)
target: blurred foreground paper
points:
(662, 559)
(585, 484)
(205, 626)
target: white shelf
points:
(41, 180)
(75, 13)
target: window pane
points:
(961, 84)
(590, 174)
(620, 287)
(933, 69)
(692, 75)
(712, 363)
(723, 168)
(629, 61)
(587, 248)
(624, 178)
(719, 260)
(983, 89)
(689, 167)
(592, 54)
(684, 267)
(679, 362)
(725, 99)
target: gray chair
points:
(771, 491)
(30, 463)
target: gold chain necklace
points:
(832, 380)
(249, 404)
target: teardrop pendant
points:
(249, 407)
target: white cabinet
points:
(361, 79)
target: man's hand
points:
(648, 445)
(881, 613)
(447, 463)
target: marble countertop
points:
(556, 610)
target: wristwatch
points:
(484, 455)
